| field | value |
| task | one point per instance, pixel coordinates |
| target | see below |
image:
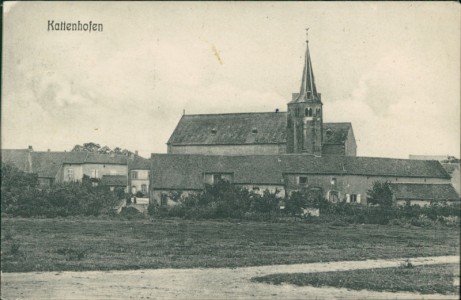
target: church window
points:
(213, 131)
(310, 112)
(329, 132)
(254, 131)
(289, 121)
(306, 112)
(317, 112)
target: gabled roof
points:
(181, 171)
(413, 191)
(47, 164)
(238, 129)
(139, 163)
(17, 158)
(230, 129)
(114, 180)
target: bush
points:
(21, 196)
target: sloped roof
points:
(47, 164)
(230, 129)
(451, 167)
(94, 158)
(335, 133)
(114, 180)
(181, 171)
(17, 158)
(237, 129)
(139, 163)
(413, 191)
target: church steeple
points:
(305, 115)
(308, 91)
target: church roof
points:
(413, 191)
(245, 129)
(185, 171)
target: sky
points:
(392, 69)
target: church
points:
(287, 151)
(299, 130)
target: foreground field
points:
(59, 245)
(422, 279)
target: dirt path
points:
(221, 283)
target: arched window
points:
(317, 112)
(306, 111)
(333, 196)
(289, 121)
(309, 114)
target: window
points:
(217, 178)
(163, 199)
(306, 112)
(302, 180)
(289, 121)
(317, 112)
(254, 131)
(309, 114)
(256, 188)
(70, 174)
(333, 196)
(353, 198)
(144, 188)
(213, 131)
(333, 181)
(134, 174)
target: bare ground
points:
(218, 283)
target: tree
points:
(380, 194)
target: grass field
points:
(422, 279)
(91, 244)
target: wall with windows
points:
(349, 188)
(98, 170)
(139, 181)
(260, 188)
(72, 172)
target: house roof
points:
(17, 158)
(47, 164)
(413, 191)
(182, 171)
(451, 167)
(94, 158)
(139, 163)
(114, 180)
(238, 129)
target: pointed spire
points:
(308, 91)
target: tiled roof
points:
(450, 167)
(47, 164)
(114, 180)
(139, 163)
(238, 129)
(185, 171)
(413, 191)
(16, 157)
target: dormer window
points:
(213, 131)
(254, 131)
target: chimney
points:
(30, 148)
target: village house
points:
(337, 178)
(139, 170)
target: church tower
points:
(305, 115)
